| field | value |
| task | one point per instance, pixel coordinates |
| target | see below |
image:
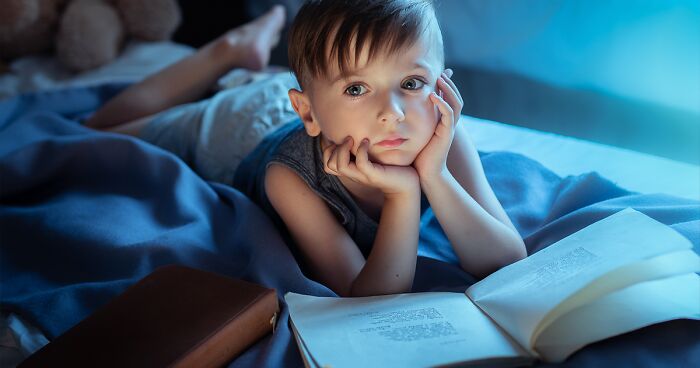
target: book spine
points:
(233, 338)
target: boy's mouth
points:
(391, 143)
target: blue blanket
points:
(84, 214)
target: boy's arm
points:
(391, 264)
(474, 221)
(464, 164)
(452, 178)
(333, 256)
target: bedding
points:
(43, 72)
(85, 214)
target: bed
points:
(83, 215)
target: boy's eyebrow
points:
(416, 65)
(421, 65)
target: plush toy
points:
(84, 33)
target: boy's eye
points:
(413, 84)
(355, 90)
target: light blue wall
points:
(647, 50)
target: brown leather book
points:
(174, 317)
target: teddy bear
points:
(83, 33)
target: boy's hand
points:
(391, 180)
(432, 160)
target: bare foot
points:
(249, 45)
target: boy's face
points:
(385, 101)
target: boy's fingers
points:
(352, 172)
(362, 157)
(326, 157)
(332, 160)
(450, 98)
(448, 86)
(345, 166)
(444, 107)
(451, 83)
(343, 156)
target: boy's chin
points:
(394, 159)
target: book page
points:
(619, 312)
(666, 265)
(520, 295)
(305, 355)
(404, 330)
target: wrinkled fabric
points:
(214, 135)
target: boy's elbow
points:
(378, 288)
(519, 249)
(515, 252)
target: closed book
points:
(174, 317)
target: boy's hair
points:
(384, 25)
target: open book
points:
(619, 274)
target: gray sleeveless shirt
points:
(303, 155)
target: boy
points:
(374, 136)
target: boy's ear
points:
(302, 105)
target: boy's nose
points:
(391, 110)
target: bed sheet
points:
(84, 214)
(638, 172)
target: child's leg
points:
(189, 79)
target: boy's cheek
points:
(427, 112)
(431, 110)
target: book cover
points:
(175, 317)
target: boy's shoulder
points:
(302, 154)
(299, 152)
(295, 138)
